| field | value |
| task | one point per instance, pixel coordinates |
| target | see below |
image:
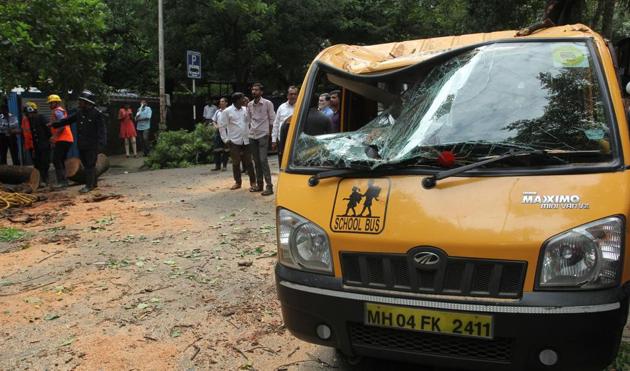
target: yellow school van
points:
(464, 205)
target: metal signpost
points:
(193, 67)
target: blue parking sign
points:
(193, 63)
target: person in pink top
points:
(127, 129)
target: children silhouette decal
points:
(353, 200)
(371, 218)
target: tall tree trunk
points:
(598, 14)
(607, 18)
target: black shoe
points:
(267, 192)
(61, 185)
(85, 189)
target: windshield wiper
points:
(363, 170)
(430, 181)
(314, 179)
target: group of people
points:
(44, 135)
(328, 104)
(129, 129)
(244, 130)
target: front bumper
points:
(584, 329)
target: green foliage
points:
(182, 148)
(54, 46)
(11, 234)
(113, 43)
(622, 362)
(132, 36)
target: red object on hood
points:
(446, 159)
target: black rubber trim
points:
(581, 345)
(529, 299)
(607, 99)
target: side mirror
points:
(628, 88)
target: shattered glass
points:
(482, 102)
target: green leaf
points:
(11, 234)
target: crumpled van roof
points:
(374, 58)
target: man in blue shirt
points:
(324, 105)
(143, 126)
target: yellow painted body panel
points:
(480, 217)
(471, 217)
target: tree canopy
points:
(113, 43)
(57, 48)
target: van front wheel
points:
(350, 360)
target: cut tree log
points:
(74, 168)
(25, 176)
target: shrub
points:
(182, 148)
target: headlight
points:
(302, 244)
(586, 257)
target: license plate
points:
(428, 320)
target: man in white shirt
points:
(260, 116)
(209, 110)
(234, 121)
(284, 112)
(9, 127)
(221, 151)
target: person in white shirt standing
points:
(9, 128)
(143, 126)
(221, 152)
(234, 120)
(209, 110)
(260, 115)
(279, 129)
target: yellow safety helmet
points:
(31, 104)
(54, 98)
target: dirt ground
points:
(148, 279)
(173, 271)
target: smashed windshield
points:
(478, 104)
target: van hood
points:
(491, 217)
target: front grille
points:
(459, 276)
(495, 350)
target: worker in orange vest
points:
(61, 140)
(37, 140)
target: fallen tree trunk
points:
(25, 176)
(74, 168)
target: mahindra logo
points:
(426, 259)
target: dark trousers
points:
(88, 159)
(41, 161)
(241, 153)
(143, 141)
(221, 153)
(9, 142)
(220, 158)
(259, 148)
(59, 158)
